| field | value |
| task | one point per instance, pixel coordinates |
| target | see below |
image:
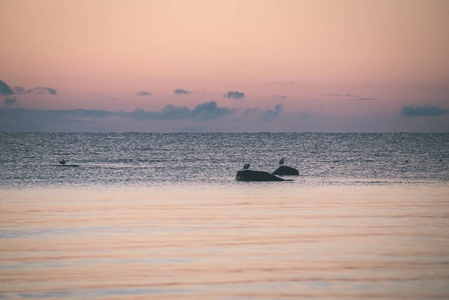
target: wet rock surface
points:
(250, 175)
(285, 170)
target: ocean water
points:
(161, 216)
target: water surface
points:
(161, 216)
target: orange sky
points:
(301, 54)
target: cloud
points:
(234, 95)
(202, 112)
(251, 111)
(5, 90)
(52, 91)
(20, 119)
(264, 115)
(19, 115)
(181, 92)
(144, 93)
(271, 115)
(347, 95)
(427, 110)
(37, 90)
(20, 90)
(43, 90)
(277, 96)
(203, 117)
(338, 95)
(209, 110)
(169, 112)
(10, 101)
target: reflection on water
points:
(239, 241)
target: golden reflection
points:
(244, 241)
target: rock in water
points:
(250, 175)
(284, 170)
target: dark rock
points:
(250, 175)
(284, 170)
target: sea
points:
(161, 216)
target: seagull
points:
(246, 167)
(281, 161)
(62, 162)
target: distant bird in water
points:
(281, 161)
(62, 162)
(406, 161)
(246, 167)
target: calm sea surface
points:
(161, 216)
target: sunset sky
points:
(232, 66)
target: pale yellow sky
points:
(119, 47)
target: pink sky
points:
(336, 65)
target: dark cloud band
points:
(271, 115)
(5, 90)
(181, 92)
(428, 110)
(10, 101)
(234, 95)
(202, 112)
